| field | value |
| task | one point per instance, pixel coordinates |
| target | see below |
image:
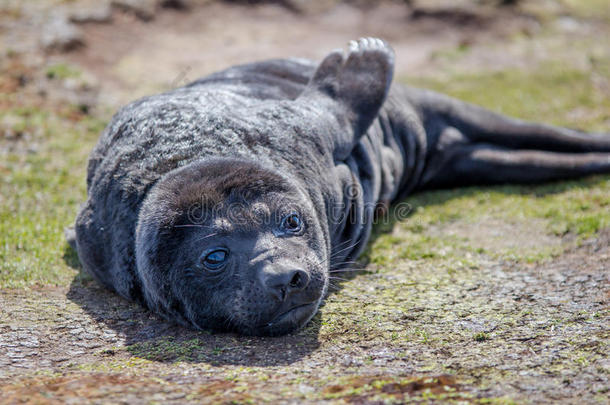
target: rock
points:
(100, 13)
(143, 9)
(176, 4)
(59, 34)
(308, 6)
(9, 130)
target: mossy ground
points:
(488, 295)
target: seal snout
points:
(290, 294)
(284, 283)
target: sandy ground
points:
(180, 47)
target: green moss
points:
(554, 93)
(40, 192)
(130, 364)
(61, 71)
(170, 349)
(588, 8)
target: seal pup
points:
(223, 204)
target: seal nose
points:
(282, 284)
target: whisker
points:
(205, 237)
(346, 262)
(333, 286)
(342, 244)
(229, 321)
(344, 270)
(333, 253)
(336, 252)
(343, 266)
(191, 226)
(338, 278)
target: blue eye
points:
(292, 223)
(215, 259)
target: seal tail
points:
(477, 146)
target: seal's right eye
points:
(292, 223)
(215, 259)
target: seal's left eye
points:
(215, 259)
(292, 223)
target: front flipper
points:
(356, 85)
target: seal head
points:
(231, 245)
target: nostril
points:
(281, 284)
(299, 280)
(296, 280)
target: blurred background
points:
(121, 49)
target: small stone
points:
(310, 7)
(9, 127)
(59, 34)
(177, 4)
(30, 343)
(143, 9)
(77, 331)
(568, 24)
(306, 389)
(93, 13)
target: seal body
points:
(224, 204)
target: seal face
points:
(225, 204)
(231, 245)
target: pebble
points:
(101, 13)
(143, 9)
(59, 34)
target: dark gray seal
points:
(224, 203)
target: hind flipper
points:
(481, 164)
(483, 126)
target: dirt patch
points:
(187, 45)
(501, 237)
(68, 389)
(534, 332)
(117, 388)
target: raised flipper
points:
(354, 87)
